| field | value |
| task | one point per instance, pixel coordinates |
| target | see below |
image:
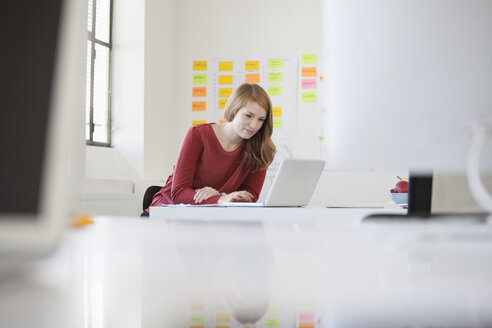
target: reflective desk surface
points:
(312, 268)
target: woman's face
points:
(249, 119)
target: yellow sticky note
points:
(277, 111)
(275, 90)
(272, 309)
(222, 103)
(275, 77)
(253, 78)
(252, 65)
(198, 106)
(277, 123)
(309, 59)
(225, 79)
(198, 122)
(199, 92)
(225, 92)
(199, 65)
(308, 71)
(222, 318)
(199, 78)
(272, 322)
(225, 66)
(197, 318)
(309, 96)
(275, 63)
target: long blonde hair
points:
(259, 150)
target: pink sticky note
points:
(309, 83)
(306, 316)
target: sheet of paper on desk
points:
(190, 205)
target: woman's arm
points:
(184, 171)
(254, 183)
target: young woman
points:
(224, 162)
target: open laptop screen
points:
(28, 41)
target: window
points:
(98, 81)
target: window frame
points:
(91, 37)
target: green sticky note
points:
(309, 59)
(272, 322)
(275, 63)
(275, 77)
(197, 318)
(275, 90)
(309, 96)
(277, 123)
(199, 78)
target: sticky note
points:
(225, 92)
(272, 322)
(306, 316)
(222, 121)
(273, 310)
(306, 324)
(277, 111)
(225, 79)
(306, 306)
(197, 326)
(275, 63)
(252, 65)
(309, 59)
(199, 92)
(253, 78)
(198, 122)
(308, 71)
(198, 106)
(197, 318)
(199, 78)
(277, 123)
(222, 318)
(309, 96)
(225, 66)
(222, 103)
(308, 83)
(199, 65)
(275, 90)
(275, 77)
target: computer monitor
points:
(406, 82)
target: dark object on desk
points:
(148, 195)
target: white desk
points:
(330, 270)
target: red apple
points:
(401, 187)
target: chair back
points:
(149, 194)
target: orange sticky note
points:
(221, 121)
(308, 71)
(225, 66)
(199, 92)
(222, 103)
(306, 324)
(198, 122)
(277, 111)
(253, 78)
(252, 65)
(225, 92)
(222, 318)
(225, 79)
(198, 106)
(199, 65)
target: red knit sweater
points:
(202, 162)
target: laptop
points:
(293, 185)
(44, 43)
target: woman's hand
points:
(236, 196)
(204, 194)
